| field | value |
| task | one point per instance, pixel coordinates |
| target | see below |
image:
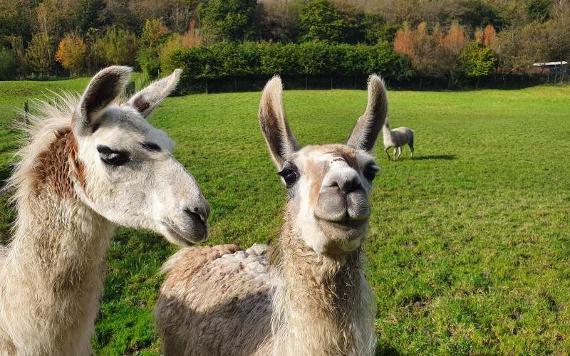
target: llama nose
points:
(201, 211)
(348, 184)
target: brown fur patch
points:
(315, 171)
(346, 153)
(51, 170)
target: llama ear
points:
(274, 126)
(101, 91)
(368, 126)
(146, 100)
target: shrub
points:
(278, 59)
(71, 53)
(7, 64)
(236, 59)
(190, 39)
(228, 59)
(315, 59)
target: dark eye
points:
(370, 172)
(111, 157)
(150, 146)
(289, 175)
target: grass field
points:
(469, 251)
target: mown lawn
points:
(469, 251)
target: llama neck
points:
(55, 262)
(386, 133)
(321, 302)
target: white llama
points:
(91, 164)
(306, 294)
(396, 139)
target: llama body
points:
(70, 187)
(396, 139)
(304, 295)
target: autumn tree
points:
(71, 53)
(486, 36)
(432, 54)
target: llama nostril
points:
(202, 213)
(351, 185)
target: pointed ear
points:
(274, 126)
(368, 126)
(101, 91)
(146, 100)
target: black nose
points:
(348, 185)
(201, 211)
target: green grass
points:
(469, 251)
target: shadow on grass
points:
(385, 350)
(435, 157)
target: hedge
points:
(264, 59)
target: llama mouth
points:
(347, 225)
(198, 232)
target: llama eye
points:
(111, 157)
(370, 172)
(150, 146)
(289, 175)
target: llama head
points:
(129, 175)
(328, 185)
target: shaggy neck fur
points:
(320, 302)
(52, 274)
(386, 133)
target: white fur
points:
(52, 272)
(397, 138)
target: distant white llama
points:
(396, 139)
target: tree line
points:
(450, 40)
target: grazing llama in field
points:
(396, 139)
(90, 165)
(306, 294)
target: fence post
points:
(26, 113)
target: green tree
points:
(477, 60)
(320, 20)
(229, 20)
(16, 18)
(89, 16)
(538, 10)
(152, 37)
(480, 13)
(115, 47)
(39, 53)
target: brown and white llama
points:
(92, 163)
(307, 293)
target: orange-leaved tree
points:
(71, 53)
